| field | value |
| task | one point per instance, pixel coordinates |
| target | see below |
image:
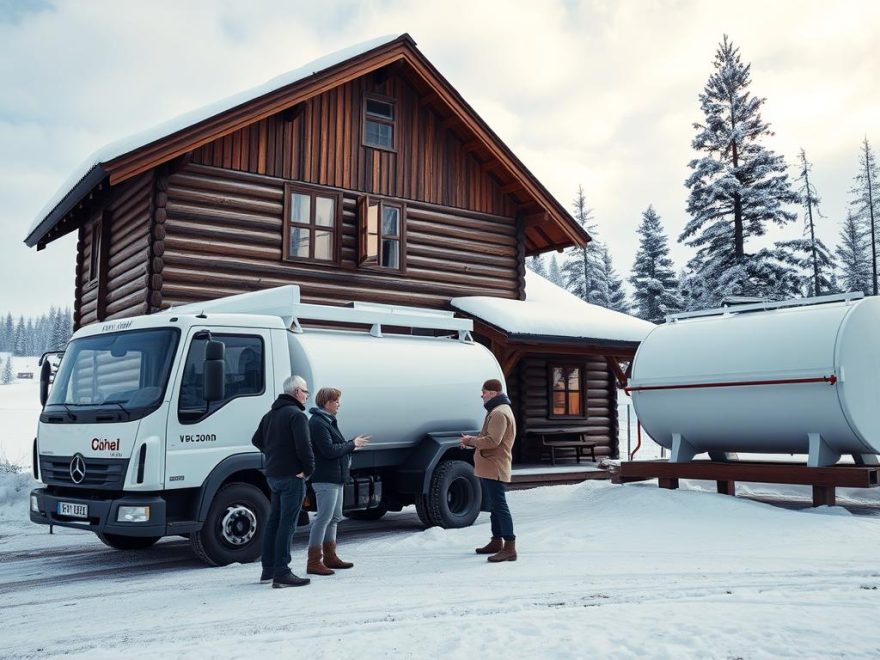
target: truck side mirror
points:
(215, 371)
(45, 373)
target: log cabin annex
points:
(361, 176)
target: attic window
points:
(379, 120)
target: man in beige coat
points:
(492, 460)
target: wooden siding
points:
(528, 387)
(122, 284)
(320, 142)
(223, 235)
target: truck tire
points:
(368, 514)
(127, 542)
(455, 497)
(233, 529)
(424, 511)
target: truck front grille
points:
(101, 473)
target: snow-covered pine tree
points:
(854, 256)
(737, 186)
(67, 326)
(866, 204)
(581, 265)
(7, 376)
(20, 343)
(30, 334)
(554, 274)
(536, 265)
(57, 338)
(613, 285)
(9, 332)
(656, 289)
(4, 341)
(808, 255)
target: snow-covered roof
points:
(90, 168)
(551, 311)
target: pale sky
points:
(600, 93)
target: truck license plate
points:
(73, 510)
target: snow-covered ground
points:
(19, 409)
(603, 571)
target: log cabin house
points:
(361, 176)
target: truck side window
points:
(245, 375)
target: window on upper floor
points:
(382, 233)
(566, 391)
(311, 224)
(379, 122)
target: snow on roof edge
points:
(551, 311)
(163, 129)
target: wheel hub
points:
(239, 525)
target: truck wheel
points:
(455, 496)
(127, 542)
(368, 514)
(233, 530)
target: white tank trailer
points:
(793, 377)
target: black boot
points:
(266, 575)
(289, 580)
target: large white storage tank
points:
(396, 387)
(778, 378)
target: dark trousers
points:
(502, 521)
(287, 498)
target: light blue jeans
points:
(329, 504)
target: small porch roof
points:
(551, 313)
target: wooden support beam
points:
(534, 219)
(472, 145)
(616, 369)
(513, 186)
(509, 362)
(726, 487)
(428, 99)
(667, 482)
(824, 495)
(293, 112)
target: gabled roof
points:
(550, 311)
(550, 226)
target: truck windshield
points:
(125, 371)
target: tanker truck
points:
(146, 431)
(790, 377)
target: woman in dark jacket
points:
(332, 463)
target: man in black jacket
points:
(283, 437)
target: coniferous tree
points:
(7, 371)
(582, 265)
(854, 255)
(866, 204)
(553, 272)
(808, 255)
(536, 265)
(9, 332)
(612, 285)
(56, 341)
(67, 326)
(656, 289)
(20, 343)
(737, 186)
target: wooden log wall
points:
(530, 396)
(121, 288)
(320, 142)
(224, 232)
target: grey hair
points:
(292, 383)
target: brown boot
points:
(315, 565)
(330, 558)
(493, 546)
(507, 554)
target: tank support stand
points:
(823, 480)
(821, 455)
(682, 450)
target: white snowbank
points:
(552, 311)
(603, 571)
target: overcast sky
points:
(601, 93)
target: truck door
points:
(200, 435)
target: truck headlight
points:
(35, 505)
(133, 514)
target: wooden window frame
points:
(97, 244)
(551, 390)
(365, 116)
(335, 230)
(364, 258)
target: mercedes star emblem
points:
(77, 468)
